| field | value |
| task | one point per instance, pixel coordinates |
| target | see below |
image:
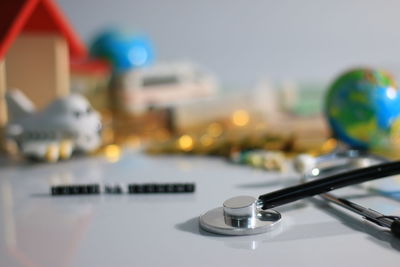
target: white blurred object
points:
(163, 85)
(304, 163)
(255, 101)
(68, 124)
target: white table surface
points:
(37, 229)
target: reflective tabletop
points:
(37, 229)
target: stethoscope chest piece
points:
(239, 216)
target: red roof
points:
(41, 16)
(91, 66)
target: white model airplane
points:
(68, 124)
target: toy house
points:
(36, 45)
(162, 85)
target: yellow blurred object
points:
(261, 126)
(275, 160)
(52, 153)
(240, 117)
(65, 149)
(256, 160)
(214, 129)
(133, 141)
(162, 135)
(112, 153)
(329, 146)
(185, 143)
(206, 140)
(108, 135)
(395, 136)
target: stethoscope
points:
(246, 215)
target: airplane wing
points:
(18, 105)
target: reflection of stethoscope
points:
(245, 215)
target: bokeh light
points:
(133, 141)
(240, 117)
(112, 153)
(214, 129)
(206, 140)
(185, 142)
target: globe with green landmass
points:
(363, 109)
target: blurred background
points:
(245, 41)
(203, 77)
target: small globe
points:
(363, 109)
(124, 51)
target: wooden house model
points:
(36, 45)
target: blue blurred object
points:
(124, 51)
(363, 110)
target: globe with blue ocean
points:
(363, 109)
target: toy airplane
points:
(66, 125)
